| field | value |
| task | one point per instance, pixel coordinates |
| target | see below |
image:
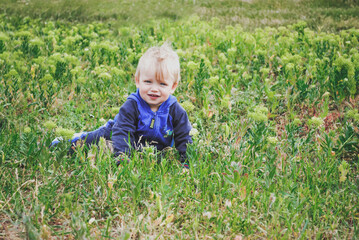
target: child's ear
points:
(174, 86)
(137, 80)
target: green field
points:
(320, 15)
(275, 105)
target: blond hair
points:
(163, 59)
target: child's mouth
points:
(153, 96)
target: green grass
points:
(320, 15)
(276, 110)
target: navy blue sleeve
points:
(124, 128)
(181, 129)
(93, 137)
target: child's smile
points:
(153, 96)
(155, 88)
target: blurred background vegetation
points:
(320, 15)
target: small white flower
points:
(272, 140)
(194, 132)
(92, 220)
(207, 214)
(102, 120)
(272, 199)
(316, 122)
(326, 94)
(228, 203)
(234, 164)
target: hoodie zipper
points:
(153, 121)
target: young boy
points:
(151, 115)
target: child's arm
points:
(124, 128)
(89, 138)
(181, 129)
(93, 137)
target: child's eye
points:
(147, 81)
(163, 84)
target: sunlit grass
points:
(276, 150)
(251, 14)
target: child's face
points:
(154, 90)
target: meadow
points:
(276, 139)
(320, 15)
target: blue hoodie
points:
(137, 125)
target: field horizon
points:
(320, 15)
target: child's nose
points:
(155, 87)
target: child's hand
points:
(73, 140)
